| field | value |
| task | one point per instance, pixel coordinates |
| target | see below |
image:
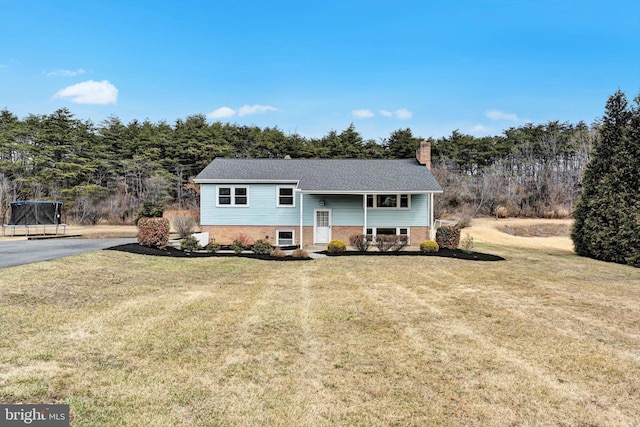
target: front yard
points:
(544, 337)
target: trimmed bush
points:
(448, 237)
(153, 232)
(213, 246)
(300, 253)
(360, 242)
(336, 246)
(189, 244)
(278, 253)
(262, 247)
(428, 246)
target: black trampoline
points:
(30, 215)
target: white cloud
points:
(403, 114)
(500, 115)
(221, 113)
(65, 73)
(480, 128)
(245, 110)
(363, 114)
(90, 92)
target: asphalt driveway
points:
(19, 252)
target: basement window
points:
(285, 237)
(392, 231)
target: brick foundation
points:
(225, 234)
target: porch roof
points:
(326, 175)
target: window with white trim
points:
(286, 197)
(285, 237)
(388, 201)
(232, 196)
(392, 231)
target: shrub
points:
(237, 246)
(184, 225)
(213, 246)
(189, 244)
(429, 246)
(384, 242)
(244, 239)
(467, 243)
(300, 253)
(336, 246)
(262, 247)
(360, 242)
(278, 253)
(448, 237)
(401, 242)
(389, 242)
(153, 232)
(502, 212)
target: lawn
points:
(543, 338)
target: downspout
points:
(301, 238)
(432, 232)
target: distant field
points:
(543, 338)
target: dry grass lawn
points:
(544, 338)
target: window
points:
(285, 237)
(286, 197)
(397, 231)
(388, 201)
(233, 196)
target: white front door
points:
(322, 226)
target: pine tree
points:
(607, 215)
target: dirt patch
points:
(537, 230)
(488, 230)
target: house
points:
(313, 201)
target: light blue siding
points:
(262, 209)
(346, 210)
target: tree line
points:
(107, 171)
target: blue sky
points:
(313, 66)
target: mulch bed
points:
(135, 248)
(443, 252)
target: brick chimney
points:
(423, 153)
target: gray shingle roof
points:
(330, 175)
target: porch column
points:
(364, 207)
(301, 238)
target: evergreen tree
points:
(607, 215)
(401, 144)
